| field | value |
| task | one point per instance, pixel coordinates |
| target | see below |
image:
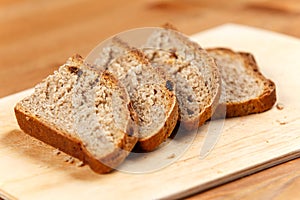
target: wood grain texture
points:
(290, 6)
(247, 144)
(277, 182)
(37, 36)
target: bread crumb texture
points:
(239, 83)
(191, 69)
(148, 91)
(82, 104)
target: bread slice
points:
(152, 95)
(191, 68)
(83, 113)
(245, 90)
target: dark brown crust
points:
(139, 55)
(263, 102)
(205, 115)
(49, 134)
(209, 109)
(70, 145)
(151, 143)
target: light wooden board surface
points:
(30, 170)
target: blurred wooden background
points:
(36, 36)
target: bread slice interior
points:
(152, 95)
(244, 89)
(191, 68)
(82, 112)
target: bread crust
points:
(151, 143)
(70, 144)
(263, 102)
(206, 112)
(209, 109)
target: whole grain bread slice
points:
(191, 68)
(152, 94)
(83, 113)
(244, 89)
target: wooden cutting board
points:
(32, 170)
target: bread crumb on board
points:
(56, 152)
(69, 159)
(72, 160)
(171, 156)
(80, 164)
(282, 122)
(279, 106)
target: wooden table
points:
(37, 36)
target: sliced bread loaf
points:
(244, 89)
(191, 68)
(83, 113)
(152, 95)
